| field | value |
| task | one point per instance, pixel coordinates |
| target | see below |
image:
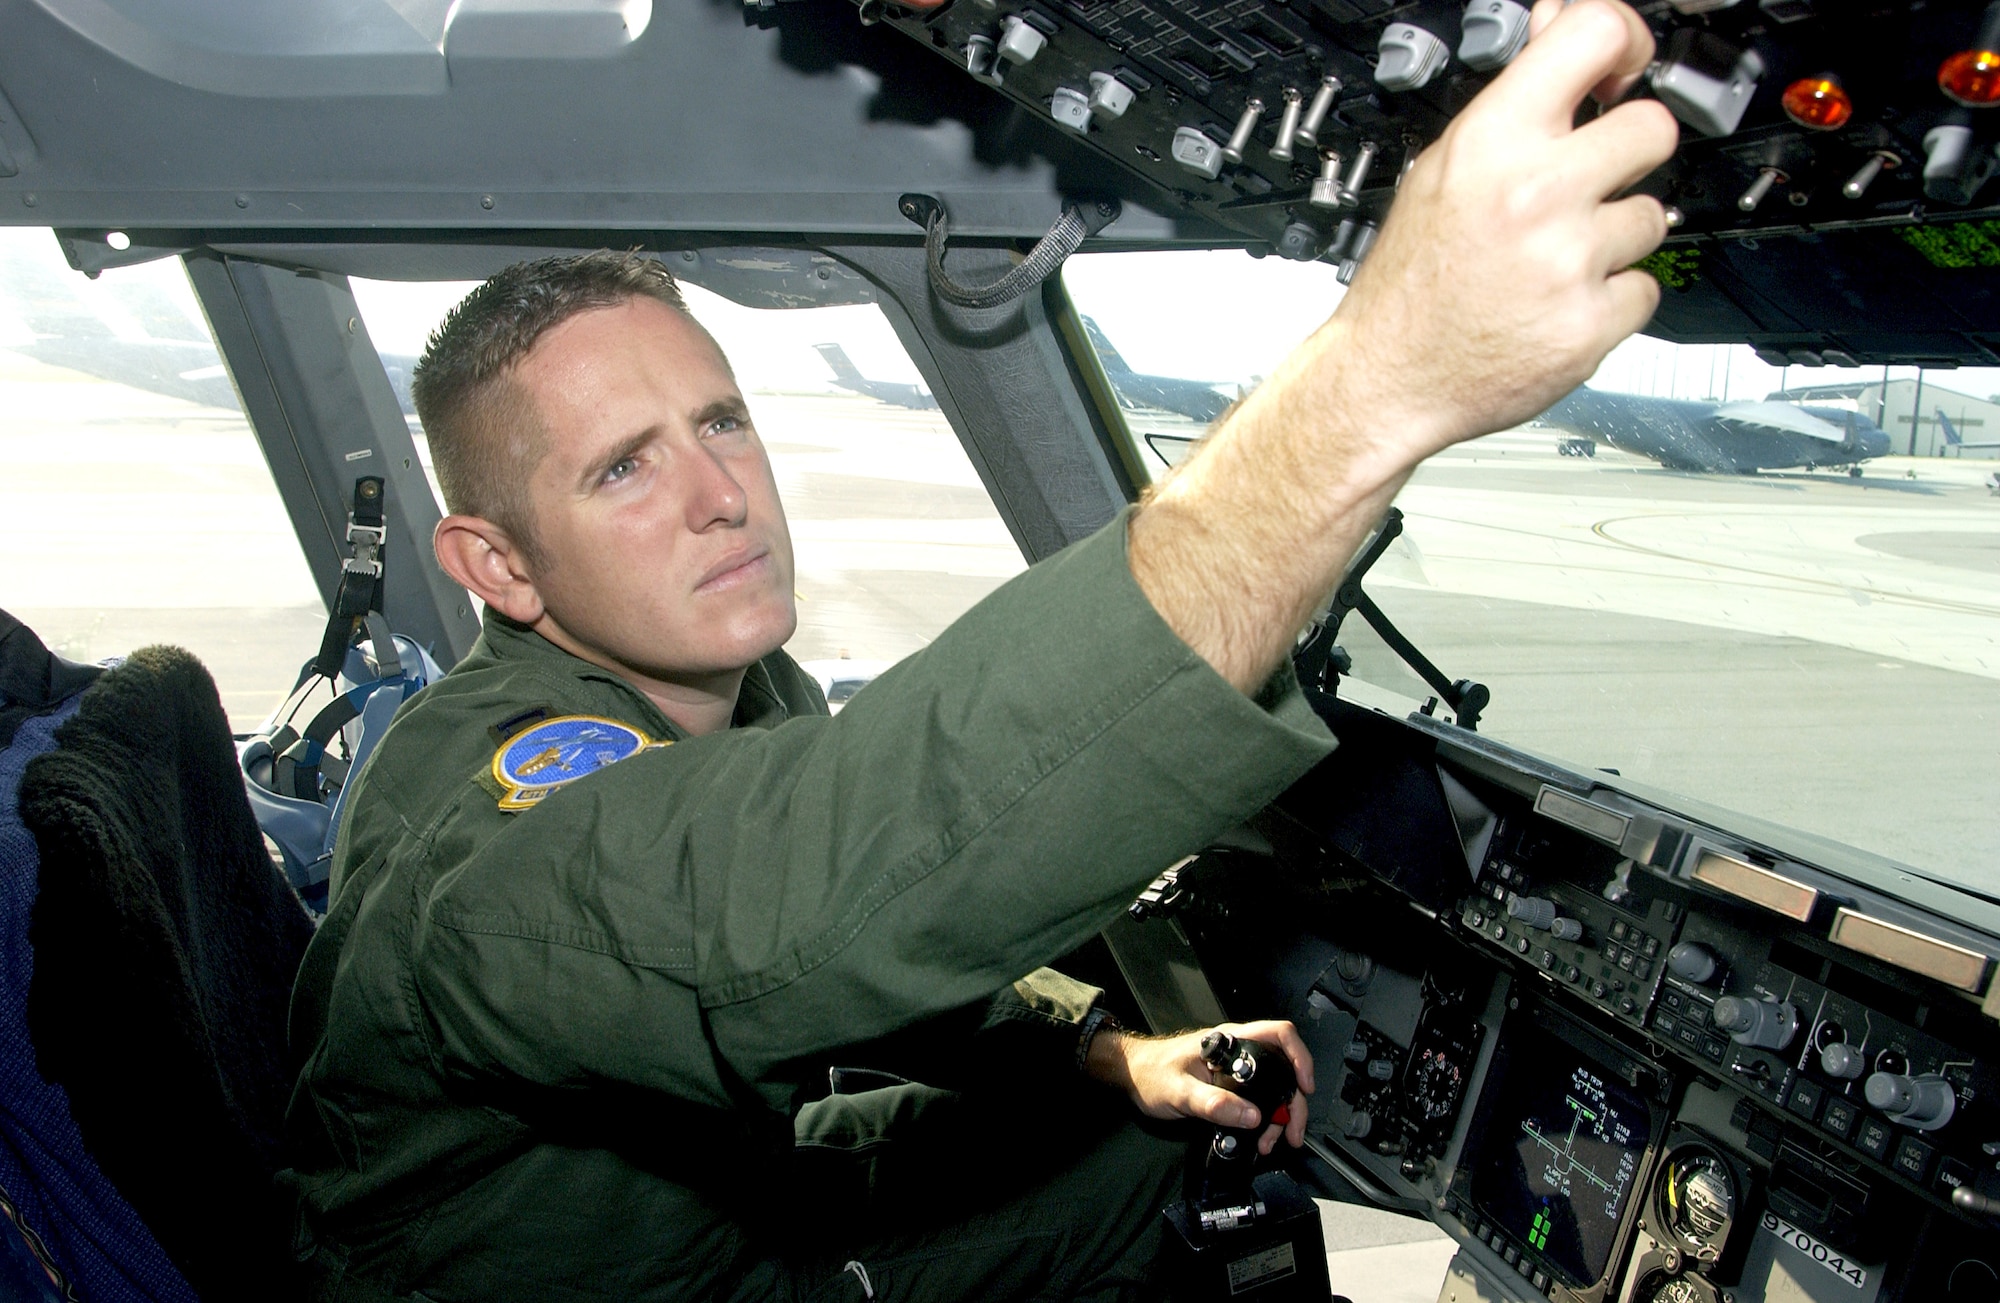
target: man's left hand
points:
(1166, 1077)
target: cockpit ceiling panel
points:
(1291, 123)
(706, 121)
(778, 122)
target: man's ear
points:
(480, 556)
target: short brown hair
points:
(484, 437)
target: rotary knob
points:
(1535, 911)
(1924, 1103)
(1692, 961)
(1766, 1024)
(1843, 1061)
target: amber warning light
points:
(1819, 103)
(1972, 77)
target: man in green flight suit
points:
(613, 895)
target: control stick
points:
(1263, 1076)
(1244, 1222)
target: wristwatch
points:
(1097, 1020)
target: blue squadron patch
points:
(535, 762)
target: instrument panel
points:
(1620, 1052)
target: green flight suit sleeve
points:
(1032, 1029)
(733, 906)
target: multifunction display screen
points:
(1561, 1150)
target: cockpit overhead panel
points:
(1829, 198)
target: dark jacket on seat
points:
(165, 944)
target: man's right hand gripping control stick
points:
(1501, 279)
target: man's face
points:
(664, 548)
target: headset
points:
(295, 777)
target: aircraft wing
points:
(1780, 416)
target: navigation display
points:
(1560, 1153)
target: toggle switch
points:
(1326, 186)
(980, 60)
(1020, 43)
(1357, 251)
(1408, 56)
(1070, 108)
(1857, 185)
(1706, 81)
(1109, 96)
(1357, 174)
(1196, 153)
(1336, 248)
(1955, 166)
(1315, 118)
(1288, 125)
(1239, 139)
(1300, 241)
(1493, 33)
(1766, 178)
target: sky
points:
(1216, 315)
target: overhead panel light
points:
(1972, 76)
(1819, 103)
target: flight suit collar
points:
(760, 703)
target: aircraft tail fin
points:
(1107, 356)
(836, 357)
(1950, 431)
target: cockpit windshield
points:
(1813, 639)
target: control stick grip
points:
(1260, 1073)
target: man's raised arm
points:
(1500, 281)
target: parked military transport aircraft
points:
(1953, 439)
(1198, 400)
(848, 376)
(1732, 438)
(1674, 980)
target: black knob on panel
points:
(1766, 1024)
(1925, 1102)
(1535, 911)
(1843, 1061)
(1693, 961)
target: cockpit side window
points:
(139, 508)
(1773, 588)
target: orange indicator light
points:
(1819, 103)
(1972, 77)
